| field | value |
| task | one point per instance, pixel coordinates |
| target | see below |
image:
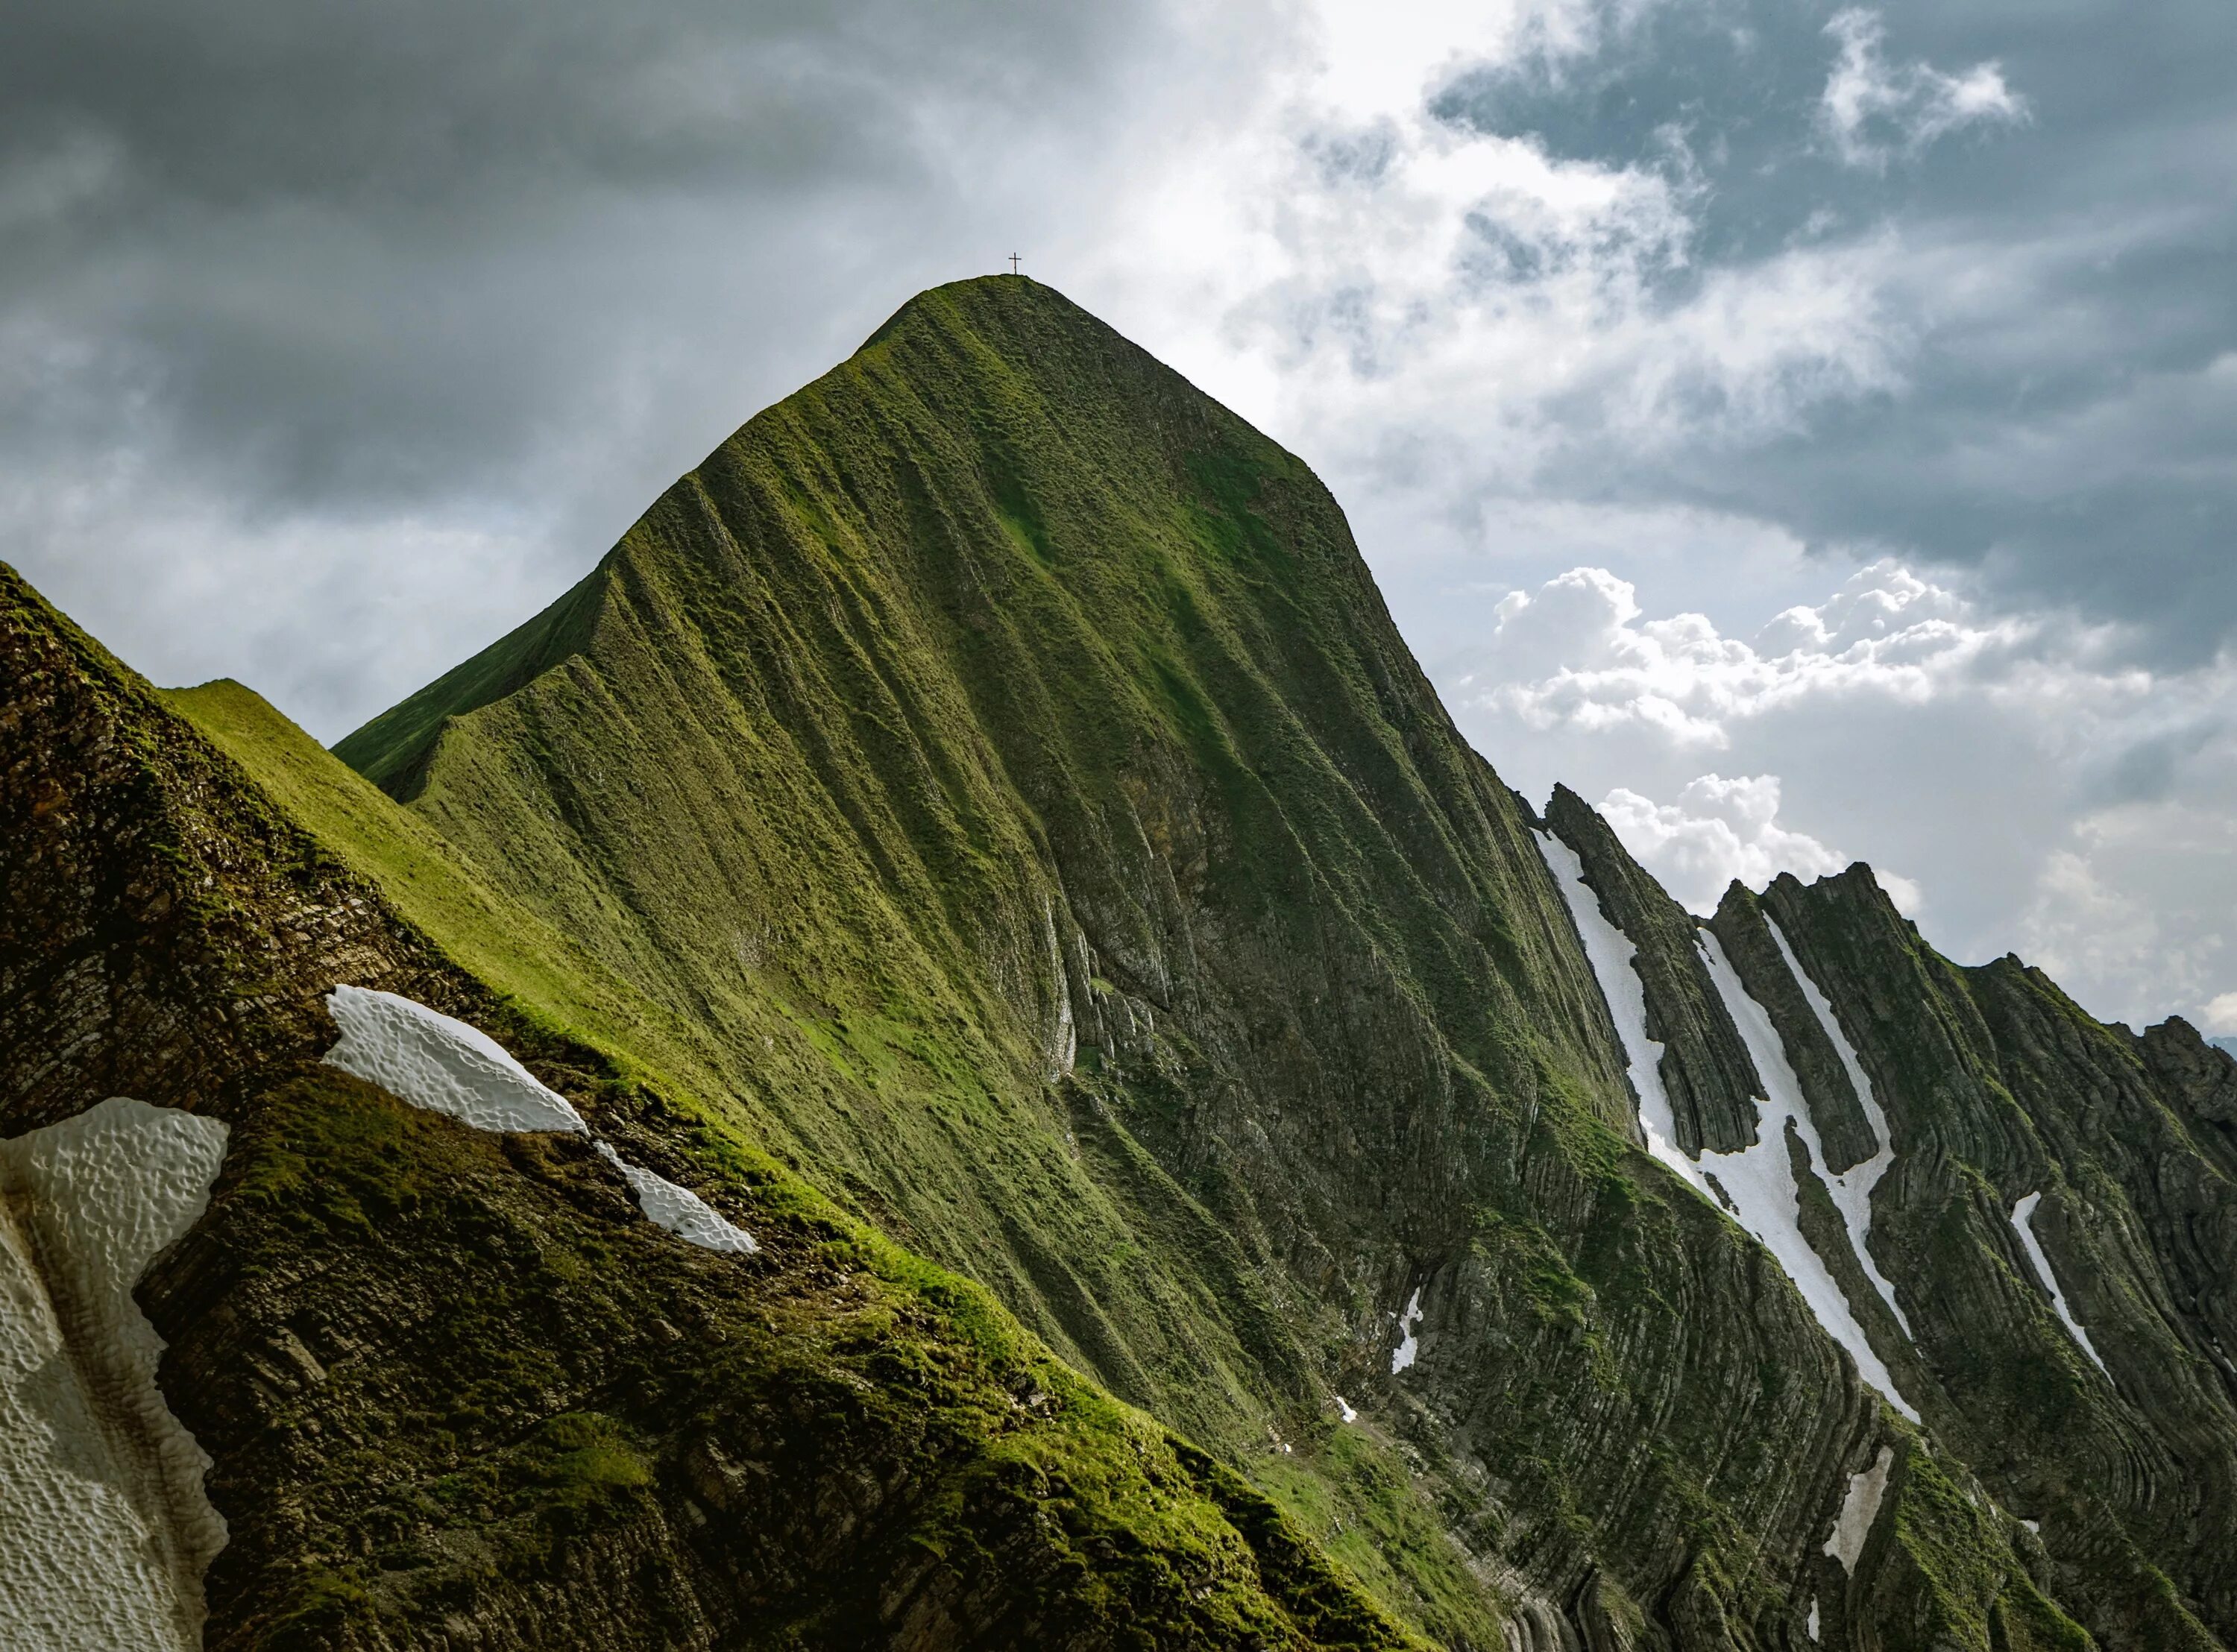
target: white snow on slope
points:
(1345, 1409)
(1853, 1188)
(1409, 1322)
(104, 1530)
(1760, 1179)
(1859, 1509)
(2023, 1224)
(442, 1064)
(1611, 954)
(680, 1211)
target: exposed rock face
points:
(1839, 1113)
(989, 793)
(1705, 1067)
(1997, 1087)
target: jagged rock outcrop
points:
(1997, 1087)
(1754, 950)
(1705, 1069)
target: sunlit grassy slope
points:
(1359, 1495)
(534, 1419)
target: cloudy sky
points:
(1809, 431)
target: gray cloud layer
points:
(2072, 420)
(330, 303)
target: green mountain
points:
(1226, 1171)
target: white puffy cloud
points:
(1406, 297)
(1873, 109)
(1717, 831)
(2038, 791)
(1577, 653)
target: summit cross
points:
(1014, 263)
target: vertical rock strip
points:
(1741, 923)
(2023, 1224)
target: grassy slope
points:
(546, 982)
(527, 1386)
(998, 637)
(1356, 1491)
(442, 1372)
(998, 678)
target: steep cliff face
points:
(985, 810)
(2024, 1217)
(2059, 1219)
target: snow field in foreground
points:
(2024, 1225)
(444, 1064)
(1859, 1509)
(105, 1530)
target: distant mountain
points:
(1219, 1168)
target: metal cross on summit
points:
(1014, 263)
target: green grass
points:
(530, 1405)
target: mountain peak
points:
(987, 794)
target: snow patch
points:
(105, 1530)
(1812, 1624)
(1612, 954)
(1756, 1185)
(1343, 1410)
(1409, 1322)
(2023, 1224)
(436, 1062)
(1853, 1188)
(442, 1064)
(1760, 1179)
(2035, 1526)
(680, 1211)
(1859, 1509)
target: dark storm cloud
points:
(346, 249)
(2068, 422)
(335, 337)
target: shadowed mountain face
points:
(984, 815)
